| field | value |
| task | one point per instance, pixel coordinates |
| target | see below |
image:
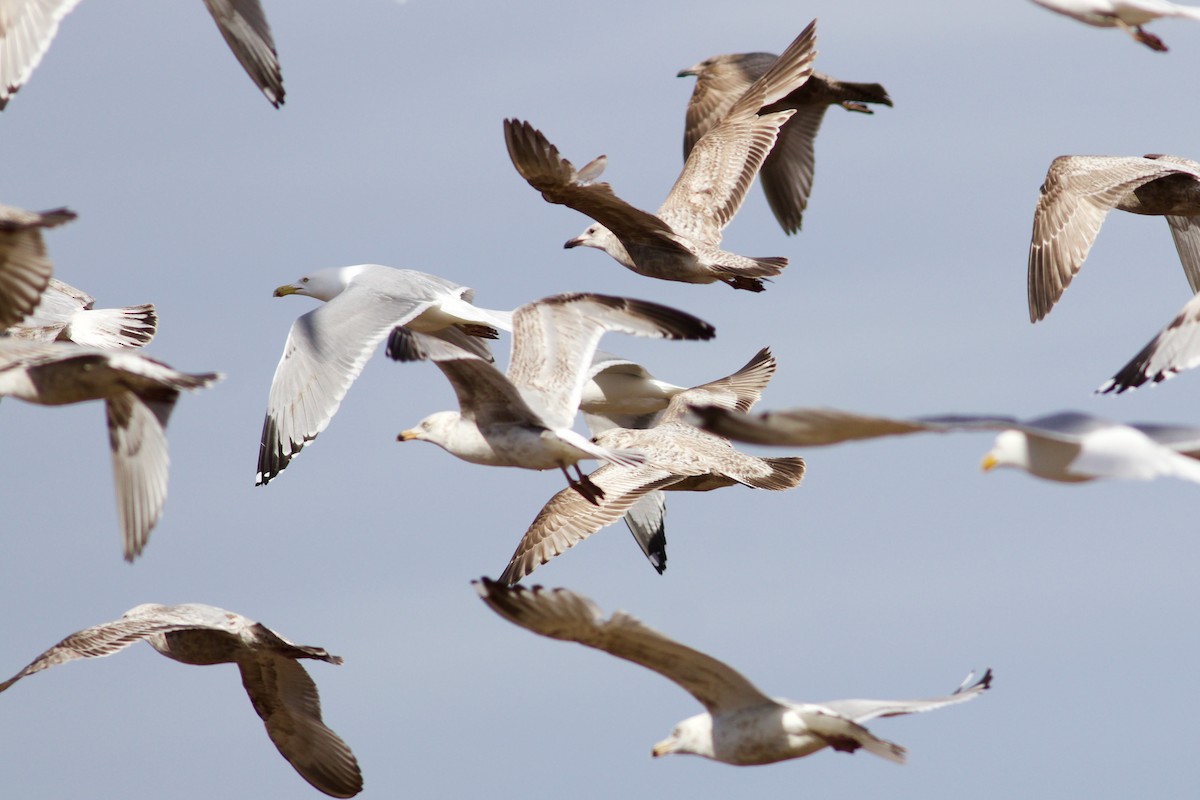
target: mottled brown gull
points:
(27, 27)
(786, 174)
(678, 457)
(280, 690)
(24, 266)
(327, 348)
(1077, 195)
(139, 394)
(69, 314)
(681, 241)
(523, 418)
(1128, 15)
(741, 725)
(1068, 446)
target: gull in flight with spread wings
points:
(524, 418)
(681, 241)
(741, 725)
(280, 690)
(1128, 15)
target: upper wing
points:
(562, 614)
(738, 391)
(138, 439)
(1077, 194)
(555, 338)
(864, 710)
(787, 171)
(326, 350)
(26, 29)
(1175, 348)
(286, 699)
(243, 24)
(1186, 233)
(24, 266)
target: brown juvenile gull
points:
(139, 394)
(1078, 193)
(681, 241)
(787, 172)
(1128, 15)
(24, 266)
(678, 457)
(327, 348)
(1069, 446)
(741, 725)
(69, 314)
(28, 26)
(523, 418)
(280, 690)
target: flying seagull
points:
(24, 266)
(327, 348)
(279, 688)
(1128, 15)
(1068, 446)
(139, 394)
(28, 26)
(68, 314)
(741, 725)
(523, 418)
(678, 457)
(681, 241)
(787, 172)
(1077, 195)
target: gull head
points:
(436, 428)
(693, 736)
(600, 237)
(1011, 449)
(324, 284)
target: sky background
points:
(894, 569)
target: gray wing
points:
(802, 427)
(1183, 439)
(1076, 196)
(1175, 348)
(325, 351)
(554, 340)
(864, 710)
(243, 25)
(647, 521)
(562, 614)
(1186, 233)
(569, 518)
(787, 171)
(138, 439)
(108, 638)
(25, 35)
(539, 163)
(24, 266)
(722, 165)
(286, 699)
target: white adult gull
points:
(740, 725)
(787, 172)
(523, 418)
(678, 457)
(1128, 15)
(681, 241)
(139, 394)
(1068, 446)
(65, 313)
(24, 266)
(27, 27)
(327, 348)
(1077, 195)
(281, 691)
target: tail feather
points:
(786, 473)
(134, 326)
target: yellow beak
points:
(285, 290)
(406, 436)
(989, 461)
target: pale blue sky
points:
(892, 570)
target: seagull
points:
(741, 725)
(787, 171)
(280, 690)
(1175, 348)
(28, 26)
(24, 267)
(327, 348)
(1068, 446)
(69, 314)
(1078, 193)
(678, 457)
(1128, 15)
(523, 419)
(681, 241)
(139, 394)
